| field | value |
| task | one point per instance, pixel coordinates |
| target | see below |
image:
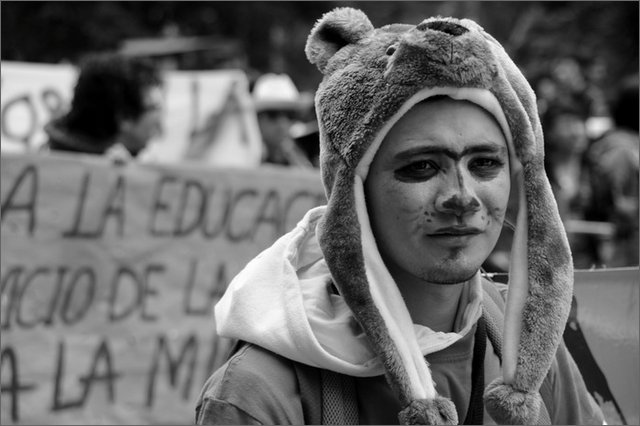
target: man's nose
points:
(458, 198)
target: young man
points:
(117, 108)
(374, 310)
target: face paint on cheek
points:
(427, 216)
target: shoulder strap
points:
(310, 392)
(339, 404)
(328, 398)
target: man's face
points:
(136, 133)
(275, 127)
(437, 192)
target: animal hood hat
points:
(371, 78)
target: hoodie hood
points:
(284, 300)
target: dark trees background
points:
(602, 36)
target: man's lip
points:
(456, 230)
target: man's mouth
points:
(450, 231)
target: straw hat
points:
(276, 92)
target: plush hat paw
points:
(437, 411)
(509, 406)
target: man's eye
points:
(486, 166)
(418, 170)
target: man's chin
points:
(450, 275)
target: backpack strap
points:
(310, 392)
(339, 404)
(328, 398)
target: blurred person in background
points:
(565, 144)
(116, 110)
(566, 141)
(306, 133)
(613, 161)
(572, 86)
(279, 105)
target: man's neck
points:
(432, 305)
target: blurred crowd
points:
(591, 159)
(591, 141)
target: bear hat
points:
(371, 77)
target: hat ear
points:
(336, 29)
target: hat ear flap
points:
(336, 29)
(541, 267)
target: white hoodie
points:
(284, 301)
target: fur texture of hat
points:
(370, 78)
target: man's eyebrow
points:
(488, 148)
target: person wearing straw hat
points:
(375, 309)
(278, 104)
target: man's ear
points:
(336, 29)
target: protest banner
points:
(109, 274)
(603, 338)
(602, 335)
(210, 118)
(31, 95)
(209, 115)
(108, 278)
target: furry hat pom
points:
(508, 406)
(436, 411)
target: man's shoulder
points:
(250, 364)
(254, 385)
